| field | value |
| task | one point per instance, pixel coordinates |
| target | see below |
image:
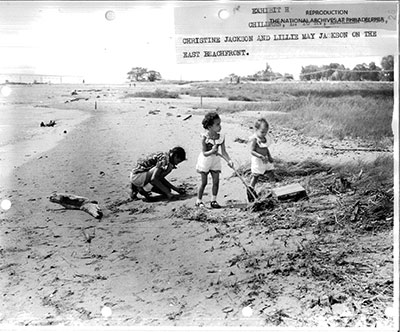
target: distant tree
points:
(346, 75)
(325, 72)
(335, 76)
(337, 72)
(267, 75)
(142, 74)
(233, 78)
(288, 77)
(136, 74)
(343, 73)
(310, 72)
(333, 68)
(153, 75)
(360, 73)
(375, 72)
(387, 64)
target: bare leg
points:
(254, 180)
(215, 186)
(134, 192)
(160, 188)
(156, 180)
(203, 185)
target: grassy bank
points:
(351, 116)
(276, 91)
(325, 110)
(158, 93)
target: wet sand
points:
(22, 138)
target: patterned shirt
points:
(150, 161)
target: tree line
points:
(265, 75)
(143, 74)
(361, 72)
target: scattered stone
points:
(49, 124)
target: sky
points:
(75, 38)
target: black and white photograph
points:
(213, 164)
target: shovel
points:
(250, 192)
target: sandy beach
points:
(146, 261)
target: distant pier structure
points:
(24, 78)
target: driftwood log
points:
(74, 202)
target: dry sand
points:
(146, 265)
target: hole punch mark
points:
(6, 91)
(5, 204)
(223, 14)
(110, 15)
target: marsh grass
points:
(320, 109)
(271, 91)
(239, 98)
(365, 204)
(349, 116)
(288, 169)
(366, 175)
(158, 93)
(338, 117)
(373, 175)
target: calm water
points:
(22, 138)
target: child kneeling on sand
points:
(261, 160)
(149, 173)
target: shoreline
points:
(38, 140)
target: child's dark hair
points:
(261, 121)
(209, 119)
(178, 152)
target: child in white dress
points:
(261, 160)
(209, 160)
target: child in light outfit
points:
(209, 160)
(261, 160)
(150, 172)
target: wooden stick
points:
(248, 188)
(356, 149)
